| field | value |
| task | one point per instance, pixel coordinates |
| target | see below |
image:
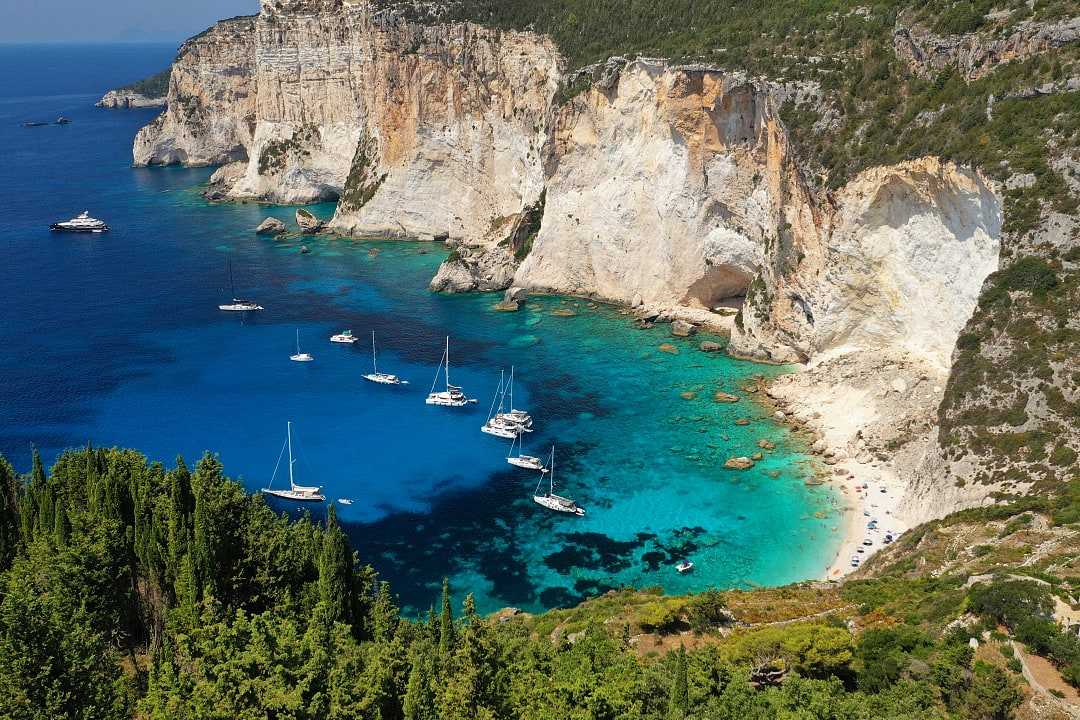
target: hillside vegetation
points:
(132, 590)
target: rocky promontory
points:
(150, 92)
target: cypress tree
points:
(10, 532)
(61, 527)
(335, 571)
(446, 620)
(419, 701)
(680, 691)
(385, 614)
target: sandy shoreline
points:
(846, 411)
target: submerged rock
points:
(688, 395)
(710, 347)
(739, 463)
(270, 226)
(757, 456)
(722, 397)
(765, 444)
(563, 312)
(507, 306)
(743, 422)
(669, 348)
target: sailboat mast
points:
(447, 375)
(551, 473)
(297, 341)
(511, 388)
(373, 365)
(288, 425)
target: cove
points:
(117, 340)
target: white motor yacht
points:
(300, 356)
(345, 336)
(550, 500)
(295, 492)
(452, 396)
(82, 223)
(382, 378)
(685, 566)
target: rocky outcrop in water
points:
(127, 99)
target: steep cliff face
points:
(665, 188)
(898, 261)
(210, 110)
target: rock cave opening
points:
(722, 286)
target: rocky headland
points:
(677, 190)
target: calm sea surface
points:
(116, 339)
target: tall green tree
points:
(420, 703)
(446, 620)
(680, 687)
(10, 523)
(335, 571)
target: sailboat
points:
(300, 356)
(495, 425)
(452, 396)
(529, 462)
(295, 492)
(552, 501)
(519, 418)
(382, 378)
(237, 304)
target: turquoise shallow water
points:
(116, 339)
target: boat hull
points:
(295, 496)
(559, 504)
(303, 357)
(528, 463)
(446, 400)
(382, 379)
(499, 432)
(57, 227)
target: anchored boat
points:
(550, 500)
(529, 462)
(237, 304)
(299, 493)
(453, 395)
(345, 336)
(496, 424)
(300, 356)
(82, 223)
(384, 378)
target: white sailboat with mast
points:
(300, 356)
(528, 462)
(452, 396)
(495, 425)
(550, 500)
(383, 378)
(520, 418)
(299, 493)
(237, 304)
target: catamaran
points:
(529, 462)
(237, 304)
(295, 492)
(552, 501)
(345, 336)
(384, 378)
(495, 424)
(519, 418)
(453, 395)
(300, 356)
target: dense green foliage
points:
(133, 590)
(155, 86)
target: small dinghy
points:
(685, 566)
(300, 356)
(344, 501)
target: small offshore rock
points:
(270, 226)
(681, 328)
(507, 306)
(516, 294)
(308, 223)
(722, 397)
(739, 463)
(765, 444)
(710, 347)
(757, 456)
(304, 249)
(669, 348)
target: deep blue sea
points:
(116, 339)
